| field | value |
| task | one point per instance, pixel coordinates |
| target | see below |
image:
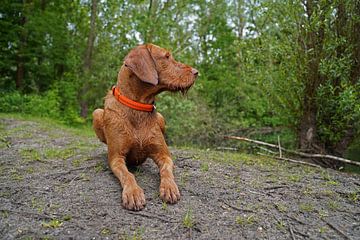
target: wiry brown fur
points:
(131, 135)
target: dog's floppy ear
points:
(142, 64)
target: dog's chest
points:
(143, 141)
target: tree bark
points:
(313, 47)
(20, 61)
(88, 59)
(91, 37)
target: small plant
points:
(281, 207)
(164, 206)
(105, 231)
(323, 229)
(353, 196)
(137, 235)
(332, 182)
(37, 204)
(204, 167)
(188, 220)
(64, 154)
(4, 142)
(100, 167)
(294, 178)
(15, 175)
(30, 170)
(327, 193)
(280, 225)
(55, 223)
(4, 213)
(30, 155)
(184, 177)
(76, 163)
(246, 220)
(325, 175)
(333, 205)
(306, 207)
(323, 214)
(308, 190)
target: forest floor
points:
(55, 184)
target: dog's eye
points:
(167, 55)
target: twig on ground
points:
(71, 170)
(337, 229)
(280, 152)
(236, 208)
(291, 232)
(227, 148)
(151, 216)
(291, 160)
(308, 155)
(296, 220)
(250, 191)
(266, 150)
(275, 187)
(301, 234)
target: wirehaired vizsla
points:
(130, 125)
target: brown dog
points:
(130, 125)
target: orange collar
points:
(130, 103)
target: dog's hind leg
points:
(98, 124)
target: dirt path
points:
(55, 184)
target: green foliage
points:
(262, 63)
(44, 105)
(339, 107)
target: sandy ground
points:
(55, 184)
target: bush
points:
(45, 105)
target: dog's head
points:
(155, 65)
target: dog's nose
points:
(194, 71)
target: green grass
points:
(232, 158)
(30, 155)
(50, 124)
(54, 223)
(188, 219)
(306, 207)
(245, 220)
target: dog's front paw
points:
(169, 191)
(133, 198)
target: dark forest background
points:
(269, 69)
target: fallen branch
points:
(280, 152)
(308, 155)
(227, 148)
(291, 160)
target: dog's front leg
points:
(133, 197)
(169, 191)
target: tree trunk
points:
(20, 64)
(314, 39)
(307, 130)
(87, 59)
(91, 37)
(20, 71)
